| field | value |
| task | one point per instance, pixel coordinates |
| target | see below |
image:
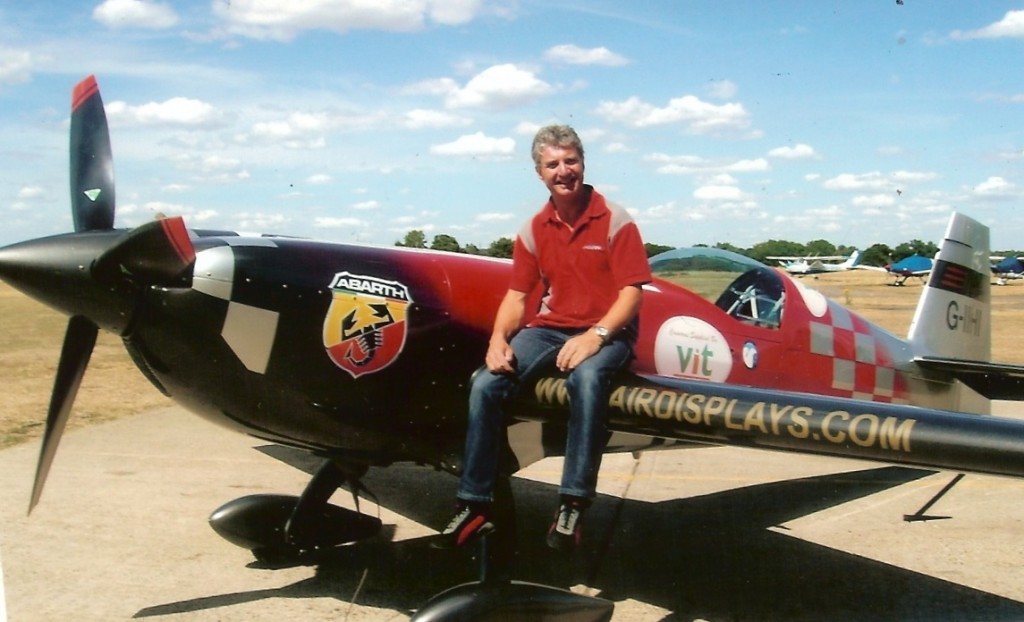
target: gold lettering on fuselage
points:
(758, 419)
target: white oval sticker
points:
(689, 347)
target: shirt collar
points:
(596, 208)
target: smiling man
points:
(587, 257)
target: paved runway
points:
(701, 534)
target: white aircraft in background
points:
(800, 266)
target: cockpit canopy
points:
(742, 287)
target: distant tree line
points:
(875, 255)
(502, 247)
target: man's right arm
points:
(506, 322)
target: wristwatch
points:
(602, 332)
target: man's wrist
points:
(603, 333)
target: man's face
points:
(561, 170)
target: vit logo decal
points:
(688, 347)
(365, 327)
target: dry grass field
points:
(31, 336)
(30, 340)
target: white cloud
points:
(996, 188)
(297, 124)
(283, 20)
(794, 152)
(498, 87)
(528, 128)
(217, 163)
(477, 145)
(337, 222)
(135, 14)
(15, 66)
(575, 55)
(874, 200)
(453, 12)
(31, 192)
(1011, 26)
(261, 222)
(212, 168)
(433, 86)
(175, 111)
(875, 181)
(913, 176)
(134, 214)
(495, 217)
(319, 179)
(690, 165)
(718, 193)
(850, 181)
(700, 117)
(307, 130)
(420, 118)
(722, 89)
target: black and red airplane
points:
(361, 356)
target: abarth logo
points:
(365, 327)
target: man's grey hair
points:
(555, 136)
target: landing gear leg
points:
(302, 525)
(496, 596)
(284, 529)
(498, 550)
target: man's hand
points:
(578, 349)
(499, 357)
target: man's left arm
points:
(586, 344)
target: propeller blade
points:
(74, 357)
(156, 253)
(92, 161)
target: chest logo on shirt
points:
(365, 327)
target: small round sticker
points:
(750, 355)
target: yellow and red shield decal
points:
(365, 327)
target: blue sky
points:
(856, 121)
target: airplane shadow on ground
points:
(710, 557)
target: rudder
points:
(953, 316)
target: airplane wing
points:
(996, 381)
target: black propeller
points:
(92, 209)
(74, 357)
(94, 274)
(92, 161)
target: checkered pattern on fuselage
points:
(862, 367)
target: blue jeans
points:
(588, 387)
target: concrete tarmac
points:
(713, 534)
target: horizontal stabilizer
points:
(996, 381)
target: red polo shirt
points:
(581, 268)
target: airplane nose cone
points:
(57, 271)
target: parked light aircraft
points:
(303, 343)
(913, 266)
(801, 266)
(1006, 269)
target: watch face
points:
(601, 331)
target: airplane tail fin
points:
(853, 260)
(951, 332)
(953, 316)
